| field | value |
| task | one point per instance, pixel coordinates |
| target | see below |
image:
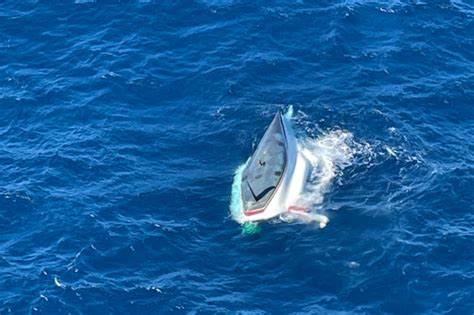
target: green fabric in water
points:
(250, 228)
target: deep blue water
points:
(122, 124)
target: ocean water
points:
(122, 124)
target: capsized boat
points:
(275, 176)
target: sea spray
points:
(235, 200)
(289, 112)
(329, 154)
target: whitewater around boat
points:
(274, 178)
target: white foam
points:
(58, 282)
(391, 151)
(236, 202)
(329, 154)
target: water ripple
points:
(122, 125)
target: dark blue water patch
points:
(122, 124)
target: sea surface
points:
(122, 125)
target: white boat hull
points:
(290, 188)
